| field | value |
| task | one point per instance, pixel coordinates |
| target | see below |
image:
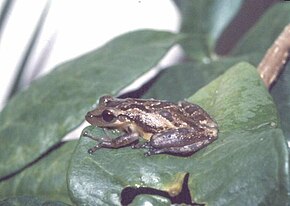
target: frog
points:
(180, 128)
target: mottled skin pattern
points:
(180, 129)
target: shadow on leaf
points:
(129, 193)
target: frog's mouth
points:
(91, 118)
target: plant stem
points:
(276, 57)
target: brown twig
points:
(276, 57)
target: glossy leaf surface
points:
(259, 39)
(190, 77)
(40, 116)
(30, 201)
(46, 178)
(203, 21)
(250, 148)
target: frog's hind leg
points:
(182, 141)
(121, 141)
(185, 150)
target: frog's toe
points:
(91, 150)
(87, 134)
(141, 145)
(153, 151)
(136, 146)
(147, 154)
(94, 149)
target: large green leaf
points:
(46, 178)
(247, 165)
(253, 158)
(191, 76)
(39, 117)
(259, 39)
(204, 21)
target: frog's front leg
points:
(182, 141)
(120, 141)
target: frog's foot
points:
(154, 151)
(86, 134)
(181, 151)
(100, 145)
(98, 139)
(141, 145)
(95, 148)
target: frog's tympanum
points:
(181, 128)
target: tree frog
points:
(176, 128)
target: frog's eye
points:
(108, 116)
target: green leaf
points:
(281, 96)
(100, 178)
(259, 39)
(143, 200)
(204, 21)
(46, 178)
(247, 165)
(29, 201)
(39, 117)
(189, 77)
(253, 155)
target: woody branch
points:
(276, 57)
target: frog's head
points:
(107, 114)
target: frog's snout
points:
(90, 118)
